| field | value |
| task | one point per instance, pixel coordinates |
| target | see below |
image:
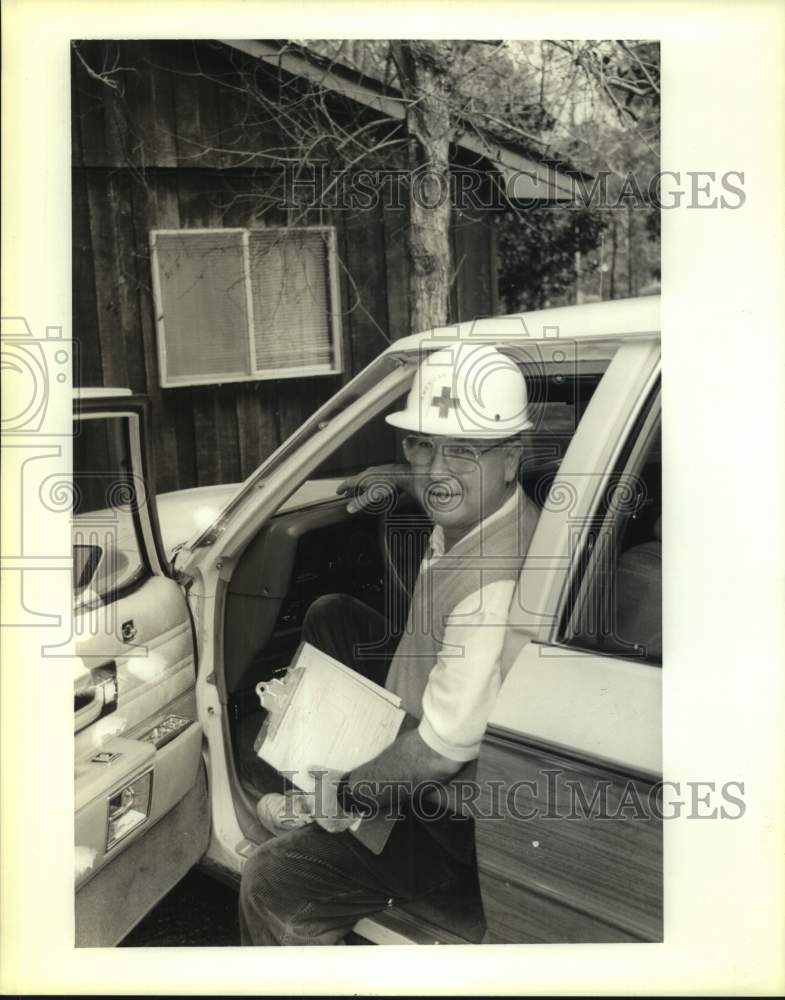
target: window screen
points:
(237, 304)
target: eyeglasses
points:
(421, 450)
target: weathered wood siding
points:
(167, 148)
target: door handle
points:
(128, 631)
(127, 799)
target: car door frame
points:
(136, 407)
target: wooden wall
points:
(167, 148)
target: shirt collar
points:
(437, 535)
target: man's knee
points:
(329, 623)
(324, 609)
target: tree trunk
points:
(423, 68)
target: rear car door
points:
(141, 806)
(569, 838)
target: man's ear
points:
(513, 455)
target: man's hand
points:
(375, 488)
(327, 811)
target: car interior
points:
(302, 554)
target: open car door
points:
(141, 806)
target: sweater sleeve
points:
(465, 681)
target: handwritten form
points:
(324, 714)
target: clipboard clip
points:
(275, 695)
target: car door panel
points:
(111, 904)
(554, 867)
(605, 708)
(141, 805)
(173, 770)
(153, 669)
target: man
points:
(309, 885)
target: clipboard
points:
(324, 713)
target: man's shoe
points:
(281, 813)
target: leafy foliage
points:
(536, 250)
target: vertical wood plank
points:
(472, 286)
(88, 369)
(228, 434)
(396, 272)
(195, 107)
(299, 398)
(257, 427)
(366, 303)
(90, 103)
(76, 118)
(493, 264)
(155, 207)
(241, 117)
(150, 102)
(103, 109)
(368, 295)
(111, 283)
(456, 270)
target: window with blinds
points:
(235, 305)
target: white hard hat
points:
(469, 390)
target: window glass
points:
(106, 551)
(561, 377)
(616, 602)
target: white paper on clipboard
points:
(327, 715)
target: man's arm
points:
(409, 760)
(386, 781)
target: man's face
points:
(460, 482)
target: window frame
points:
(254, 374)
(133, 412)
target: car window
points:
(615, 605)
(107, 555)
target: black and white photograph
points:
(382, 552)
(368, 388)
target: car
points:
(184, 603)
